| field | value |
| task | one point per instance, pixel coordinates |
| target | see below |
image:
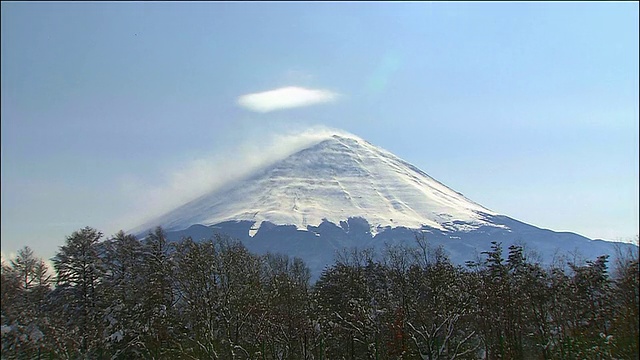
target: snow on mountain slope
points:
(335, 179)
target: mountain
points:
(343, 192)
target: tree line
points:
(121, 298)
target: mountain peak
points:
(338, 178)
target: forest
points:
(124, 298)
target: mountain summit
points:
(338, 178)
(342, 192)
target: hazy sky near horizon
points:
(112, 110)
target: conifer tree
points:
(25, 285)
(79, 294)
(125, 290)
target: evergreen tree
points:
(79, 294)
(624, 332)
(200, 298)
(25, 285)
(157, 306)
(125, 290)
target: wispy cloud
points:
(285, 98)
(210, 172)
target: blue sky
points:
(530, 109)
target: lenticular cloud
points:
(285, 98)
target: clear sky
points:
(530, 109)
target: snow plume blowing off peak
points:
(333, 176)
(197, 177)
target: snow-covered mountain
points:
(344, 192)
(333, 180)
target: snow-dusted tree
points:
(489, 288)
(242, 300)
(197, 280)
(25, 285)
(124, 292)
(351, 298)
(157, 310)
(10, 288)
(439, 305)
(24, 265)
(79, 294)
(625, 334)
(590, 300)
(398, 261)
(512, 294)
(286, 286)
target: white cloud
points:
(285, 98)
